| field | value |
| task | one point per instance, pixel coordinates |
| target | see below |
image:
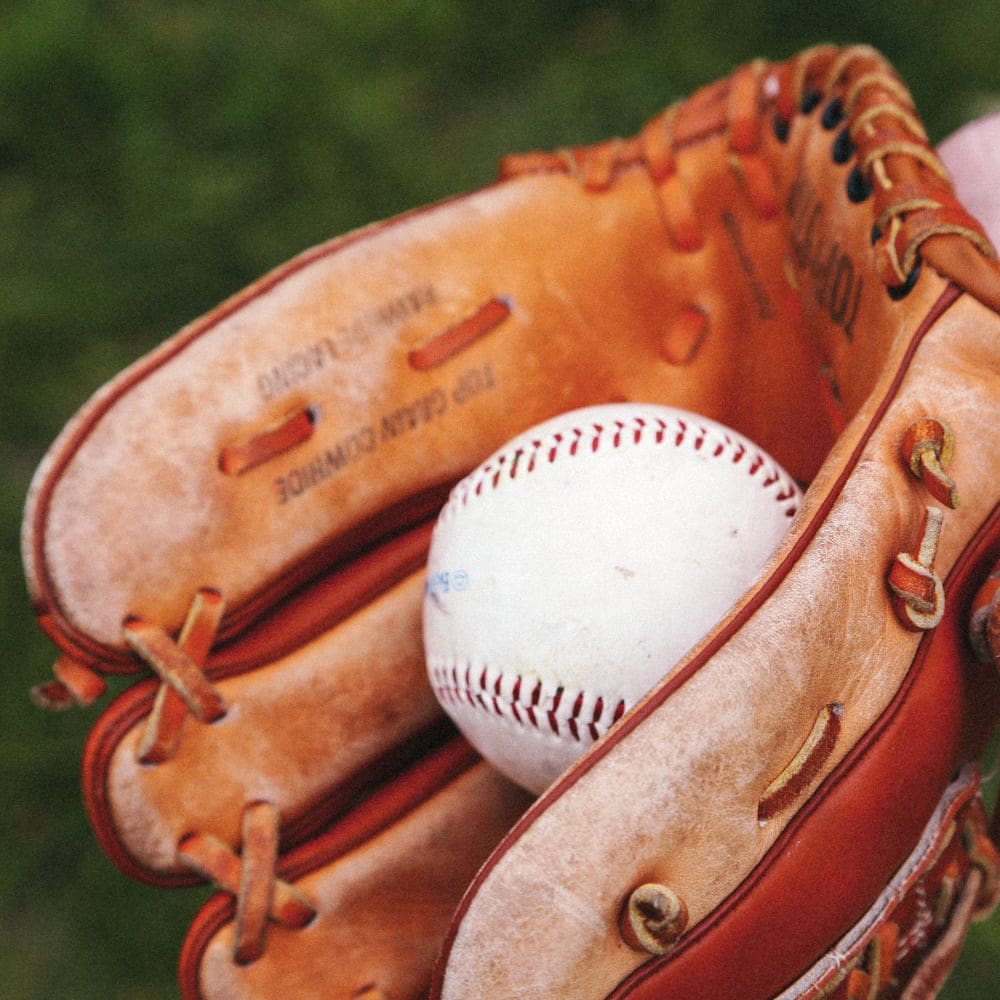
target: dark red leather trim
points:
(841, 850)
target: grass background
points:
(156, 157)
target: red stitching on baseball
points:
(455, 687)
(524, 459)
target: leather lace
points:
(879, 128)
(185, 689)
(251, 877)
(909, 959)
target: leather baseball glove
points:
(241, 519)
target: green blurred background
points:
(156, 157)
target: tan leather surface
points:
(295, 731)
(586, 322)
(383, 908)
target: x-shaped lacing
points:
(251, 878)
(179, 664)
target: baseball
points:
(579, 563)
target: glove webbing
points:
(874, 112)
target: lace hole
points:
(897, 292)
(810, 100)
(858, 186)
(843, 147)
(780, 128)
(833, 114)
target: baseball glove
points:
(241, 519)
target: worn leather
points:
(723, 262)
(386, 881)
(839, 848)
(298, 730)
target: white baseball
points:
(579, 563)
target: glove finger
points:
(306, 733)
(384, 881)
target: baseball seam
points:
(568, 444)
(561, 712)
(533, 705)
